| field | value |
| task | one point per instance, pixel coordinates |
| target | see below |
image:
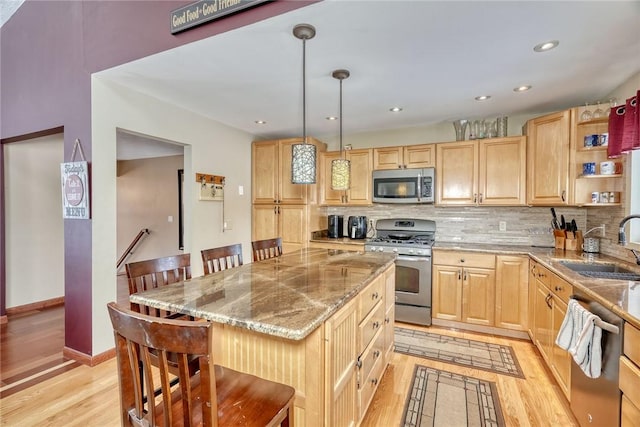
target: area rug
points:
(496, 358)
(444, 399)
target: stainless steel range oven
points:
(412, 240)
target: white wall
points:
(210, 148)
(33, 220)
(147, 197)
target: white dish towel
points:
(580, 336)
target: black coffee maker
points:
(335, 227)
(357, 227)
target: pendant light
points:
(303, 156)
(340, 168)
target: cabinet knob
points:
(374, 381)
(376, 325)
(376, 354)
(374, 295)
(387, 320)
(480, 197)
(359, 364)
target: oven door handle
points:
(413, 258)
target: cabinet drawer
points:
(370, 356)
(632, 343)
(373, 323)
(464, 259)
(561, 288)
(369, 386)
(370, 297)
(543, 275)
(630, 380)
(630, 414)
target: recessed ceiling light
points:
(482, 97)
(261, 122)
(332, 118)
(522, 88)
(543, 47)
(395, 109)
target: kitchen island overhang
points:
(304, 319)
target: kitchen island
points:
(316, 319)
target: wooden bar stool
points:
(222, 258)
(151, 273)
(215, 396)
(265, 249)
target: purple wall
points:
(48, 51)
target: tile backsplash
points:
(525, 226)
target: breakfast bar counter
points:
(303, 319)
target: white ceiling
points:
(429, 57)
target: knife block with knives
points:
(566, 234)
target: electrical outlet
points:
(602, 230)
(503, 225)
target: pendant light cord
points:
(304, 90)
(341, 152)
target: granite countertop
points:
(288, 296)
(620, 296)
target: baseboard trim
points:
(53, 302)
(87, 359)
(492, 330)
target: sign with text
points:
(75, 190)
(206, 10)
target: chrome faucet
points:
(622, 238)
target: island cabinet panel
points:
(389, 317)
(287, 361)
(341, 353)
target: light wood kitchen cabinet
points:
(404, 157)
(280, 208)
(271, 172)
(287, 221)
(552, 295)
(457, 173)
(463, 287)
(482, 172)
(359, 192)
(630, 377)
(548, 159)
(531, 306)
(512, 282)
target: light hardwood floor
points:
(89, 396)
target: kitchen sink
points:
(602, 271)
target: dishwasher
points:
(595, 402)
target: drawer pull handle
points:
(376, 325)
(374, 295)
(359, 364)
(387, 320)
(374, 381)
(376, 354)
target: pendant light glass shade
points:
(303, 167)
(340, 168)
(303, 156)
(340, 174)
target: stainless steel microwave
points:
(404, 186)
